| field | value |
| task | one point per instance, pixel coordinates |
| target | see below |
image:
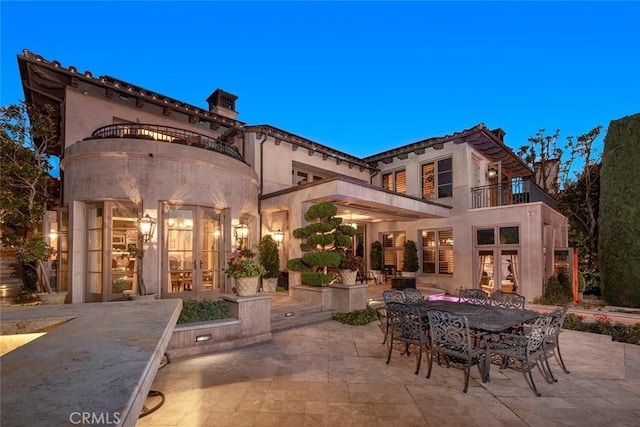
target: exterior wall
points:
(149, 173)
(535, 251)
(413, 166)
(278, 162)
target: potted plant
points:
(270, 259)
(410, 263)
(323, 243)
(376, 261)
(245, 271)
(349, 267)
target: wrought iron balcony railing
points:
(516, 192)
(166, 134)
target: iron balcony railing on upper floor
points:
(167, 134)
(512, 193)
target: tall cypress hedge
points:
(619, 238)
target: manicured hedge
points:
(619, 238)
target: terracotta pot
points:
(246, 286)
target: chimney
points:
(499, 133)
(223, 103)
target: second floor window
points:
(300, 177)
(437, 179)
(395, 181)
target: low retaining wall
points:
(250, 323)
(338, 297)
(591, 315)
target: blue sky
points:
(361, 77)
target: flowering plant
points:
(243, 265)
(351, 262)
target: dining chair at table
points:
(388, 296)
(473, 296)
(552, 342)
(526, 351)
(406, 326)
(413, 296)
(507, 300)
(451, 338)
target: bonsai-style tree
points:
(323, 245)
(375, 256)
(26, 137)
(269, 257)
(410, 257)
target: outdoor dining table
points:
(489, 321)
(481, 317)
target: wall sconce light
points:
(147, 226)
(242, 233)
(278, 236)
(492, 173)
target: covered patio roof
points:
(359, 200)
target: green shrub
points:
(269, 257)
(200, 311)
(375, 256)
(557, 292)
(357, 317)
(619, 216)
(410, 262)
(603, 325)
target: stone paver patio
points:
(330, 374)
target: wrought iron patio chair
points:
(526, 350)
(507, 300)
(451, 338)
(473, 296)
(388, 296)
(552, 342)
(406, 326)
(413, 296)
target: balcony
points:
(167, 134)
(516, 192)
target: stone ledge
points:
(103, 361)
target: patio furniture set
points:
(478, 330)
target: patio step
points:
(290, 317)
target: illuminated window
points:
(395, 181)
(437, 251)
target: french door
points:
(112, 230)
(193, 255)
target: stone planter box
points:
(250, 323)
(338, 297)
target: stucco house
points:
(207, 178)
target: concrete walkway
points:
(330, 374)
